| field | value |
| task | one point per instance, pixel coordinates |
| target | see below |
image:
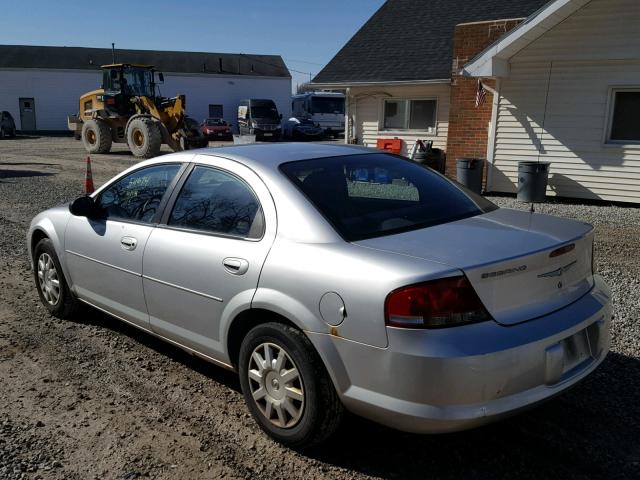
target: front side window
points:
(264, 111)
(370, 195)
(327, 105)
(624, 125)
(409, 114)
(137, 196)
(217, 202)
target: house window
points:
(623, 125)
(410, 114)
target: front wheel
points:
(144, 137)
(53, 290)
(287, 387)
(96, 136)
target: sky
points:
(306, 33)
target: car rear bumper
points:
(431, 381)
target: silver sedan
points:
(333, 278)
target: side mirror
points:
(161, 77)
(84, 207)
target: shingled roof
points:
(80, 58)
(411, 40)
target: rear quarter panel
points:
(296, 276)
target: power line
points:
(275, 65)
(302, 61)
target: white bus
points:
(325, 109)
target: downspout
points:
(493, 127)
(347, 115)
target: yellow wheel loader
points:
(127, 110)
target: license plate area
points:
(572, 354)
(576, 350)
(268, 134)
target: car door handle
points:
(235, 266)
(128, 243)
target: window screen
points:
(409, 114)
(217, 202)
(624, 124)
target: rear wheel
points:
(287, 387)
(52, 287)
(144, 137)
(96, 136)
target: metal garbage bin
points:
(469, 173)
(532, 181)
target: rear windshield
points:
(376, 194)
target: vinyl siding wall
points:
(554, 105)
(366, 106)
(56, 93)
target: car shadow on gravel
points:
(22, 174)
(20, 137)
(213, 372)
(591, 431)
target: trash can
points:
(532, 181)
(469, 173)
(433, 158)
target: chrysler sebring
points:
(333, 278)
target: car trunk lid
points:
(522, 265)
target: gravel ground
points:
(97, 399)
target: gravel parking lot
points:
(97, 399)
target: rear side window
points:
(377, 194)
(217, 202)
(137, 196)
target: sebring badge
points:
(506, 271)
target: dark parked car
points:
(216, 128)
(302, 128)
(7, 125)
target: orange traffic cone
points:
(88, 178)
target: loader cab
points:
(121, 82)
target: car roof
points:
(268, 156)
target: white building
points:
(40, 86)
(568, 83)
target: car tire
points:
(144, 137)
(96, 136)
(58, 299)
(305, 408)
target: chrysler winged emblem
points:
(558, 271)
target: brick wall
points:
(468, 125)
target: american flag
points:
(481, 94)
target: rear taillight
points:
(445, 302)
